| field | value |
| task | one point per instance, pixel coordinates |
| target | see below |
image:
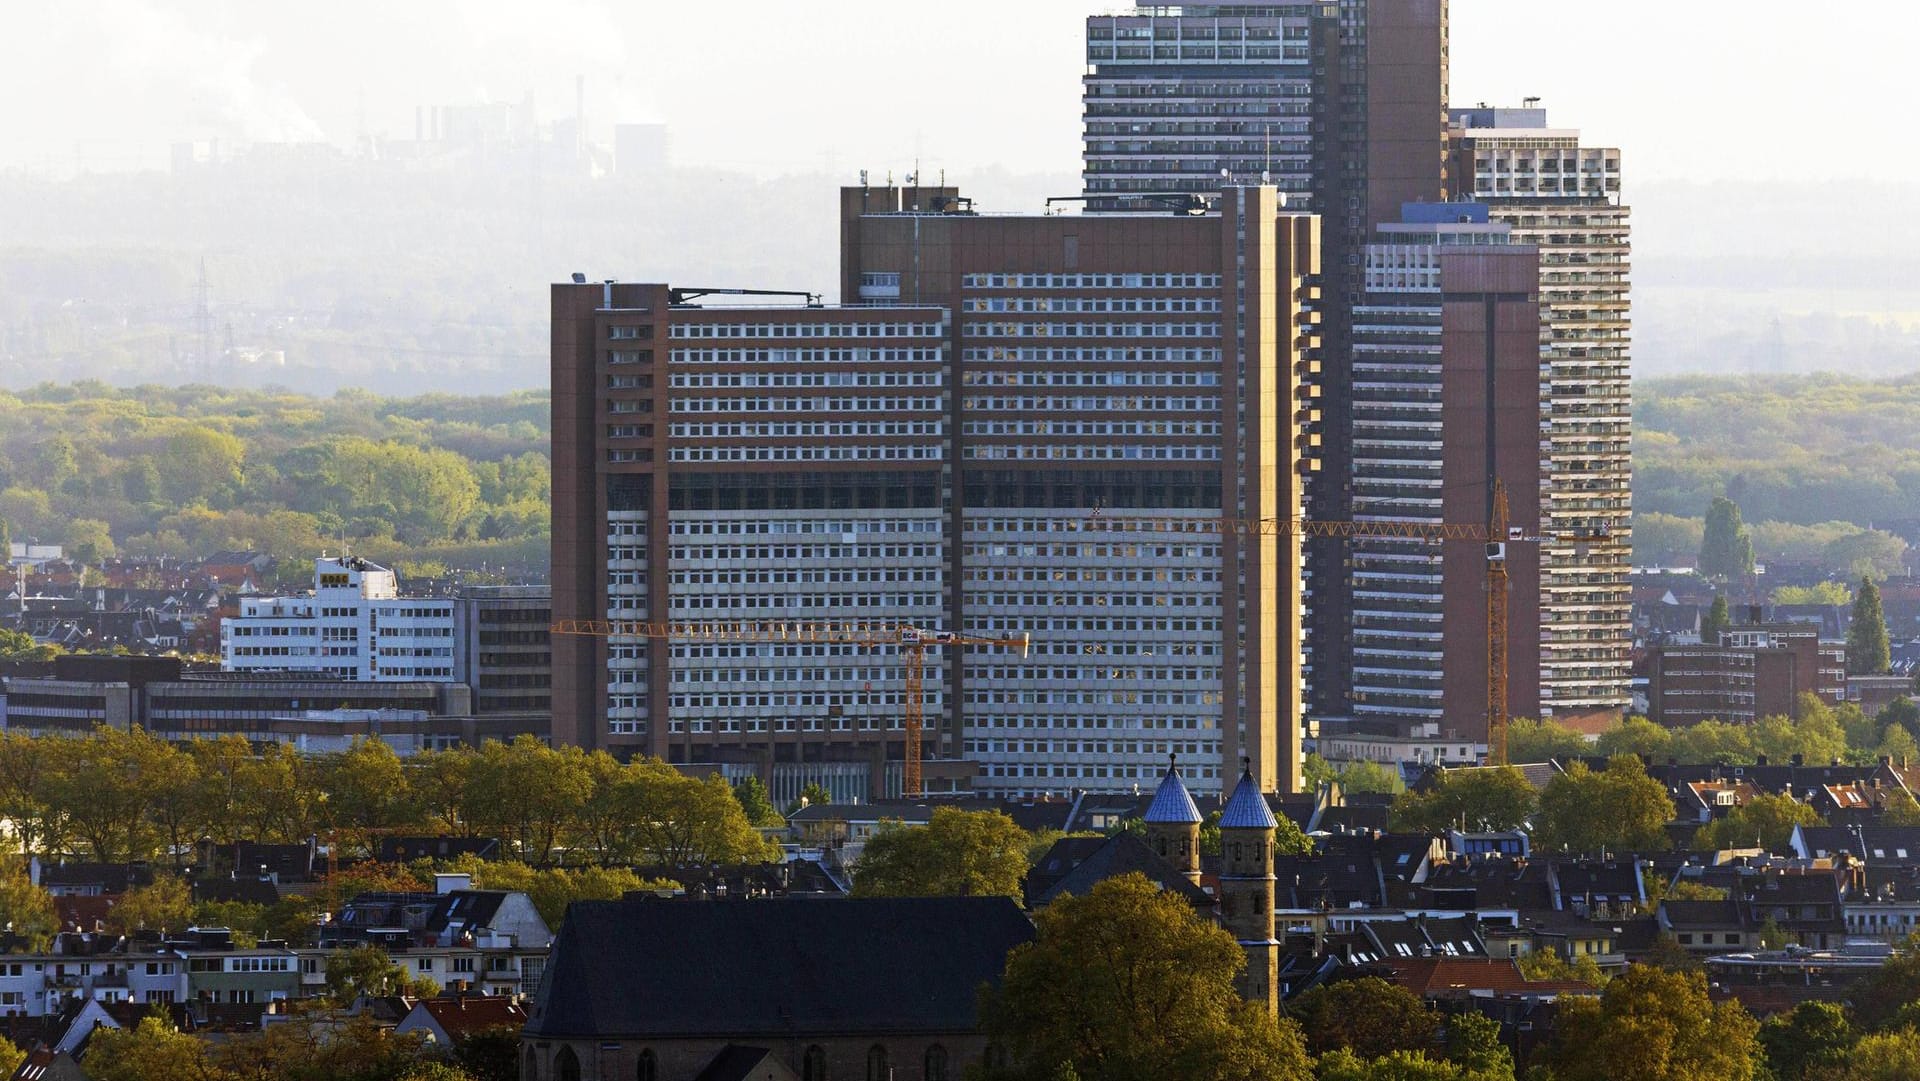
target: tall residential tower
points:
(1017, 425)
(1564, 198)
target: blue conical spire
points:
(1171, 801)
(1247, 809)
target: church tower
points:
(1246, 888)
(1173, 824)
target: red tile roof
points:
(1440, 975)
(469, 1014)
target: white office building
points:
(352, 625)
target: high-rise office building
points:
(1343, 105)
(353, 625)
(1564, 198)
(1025, 425)
(1445, 400)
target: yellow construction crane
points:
(912, 642)
(1496, 534)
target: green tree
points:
(754, 802)
(1490, 798)
(1868, 552)
(956, 854)
(1726, 550)
(492, 1054)
(1129, 983)
(1827, 593)
(1877, 1056)
(366, 791)
(166, 905)
(1813, 733)
(1636, 735)
(201, 465)
(1652, 1025)
(529, 793)
(368, 970)
(1712, 743)
(1473, 1044)
(1539, 741)
(676, 819)
(1879, 999)
(1344, 1065)
(1868, 653)
(1716, 621)
(89, 540)
(25, 909)
(1618, 809)
(813, 795)
(1765, 820)
(1901, 810)
(1549, 965)
(153, 1050)
(10, 1056)
(1814, 1035)
(1368, 1016)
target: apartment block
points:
(1019, 425)
(353, 625)
(1445, 391)
(1755, 670)
(505, 651)
(1564, 198)
(1342, 106)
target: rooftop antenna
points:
(1530, 102)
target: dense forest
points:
(183, 471)
(1825, 468)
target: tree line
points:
(183, 472)
(129, 795)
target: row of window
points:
(818, 355)
(997, 378)
(1090, 281)
(914, 404)
(1092, 354)
(752, 527)
(1190, 428)
(1093, 454)
(808, 576)
(1095, 330)
(1094, 404)
(805, 429)
(700, 380)
(688, 553)
(778, 602)
(1090, 304)
(915, 452)
(1095, 600)
(806, 330)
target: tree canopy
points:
(1495, 798)
(1129, 984)
(1867, 648)
(1616, 809)
(1652, 1025)
(956, 854)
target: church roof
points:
(1172, 802)
(1247, 809)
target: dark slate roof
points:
(465, 910)
(1121, 854)
(1688, 915)
(106, 877)
(252, 891)
(1171, 802)
(636, 969)
(736, 1062)
(1246, 809)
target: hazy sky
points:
(1702, 89)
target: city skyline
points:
(157, 73)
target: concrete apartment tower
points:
(1173, 825)
(956, 448)
(1564, 198)
(1342, 106)
(1247, 828)
(1446, 393)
